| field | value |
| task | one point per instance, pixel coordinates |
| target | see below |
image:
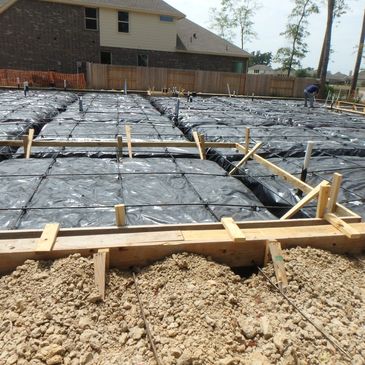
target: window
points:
(256, 71)
(238, 67)
(91, 18)
(143, 60)
(123, 22)
(165, 18)
(106, 58)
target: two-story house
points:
(61, 35)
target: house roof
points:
(338, 76)
(148, 6)
(193, 38)
(362, 75)
(260, 67)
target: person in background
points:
(309, 93)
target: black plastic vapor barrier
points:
(83, 191)
(18, 114)
(284, 128)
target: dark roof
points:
(193, 38)
(148, 6)
(261, 67)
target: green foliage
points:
(259, 58)
(235, 16)
(303, 72)
(221, 23)
(296, 33)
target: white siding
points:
(146, 31)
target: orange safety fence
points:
(41, 79)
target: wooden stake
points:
(48, 238)
(246, 158)
(27, 143)
(233, 230)
(335, 189)
(120, 148)
(274, 249)
(247, 140)
(129, 140)
(308, 198)
(342, 226)
(120, 215)
(200, 142)
(324, 193)
(100, 266)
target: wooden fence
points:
(110, 77)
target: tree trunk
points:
(358, 60)
(327, 49)
(320, 64)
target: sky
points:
(271, 20)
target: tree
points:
(340, 8)
(358, 60)
(327, 46)
(233, 16)
(243, 13)
(259, 58)
(222, 23)
(296, 32)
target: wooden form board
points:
(200, 143)
(142, 248)
(100, 267)
(48, 238)
(233, 230)
(294, 181)
(113, 143)
(273, 249)
(248, 155)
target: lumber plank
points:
(233, 230)
(84, 231)
(139, 249)
(247, 140)
(128, 133)
(335, 189)
(100, 260)
(48, 238)
(324, 193)
(308, 198)
(274, 248)
(342, 226)
(112, 143)
(297, 183)
(246, 158)
(200, 143)
(29, 143)
(120, 215)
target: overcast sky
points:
(271, 19)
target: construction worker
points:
(309, 93)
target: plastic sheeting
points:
(83, 191)
(19, 113)
(283, 127)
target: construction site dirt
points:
(95, 187)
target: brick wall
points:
(179, 60)
(46, 36)
(39, 35)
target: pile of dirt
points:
(199, 312)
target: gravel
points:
(199, 312)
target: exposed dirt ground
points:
(200, 312)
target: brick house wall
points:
(179, 60)
(46, 36)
